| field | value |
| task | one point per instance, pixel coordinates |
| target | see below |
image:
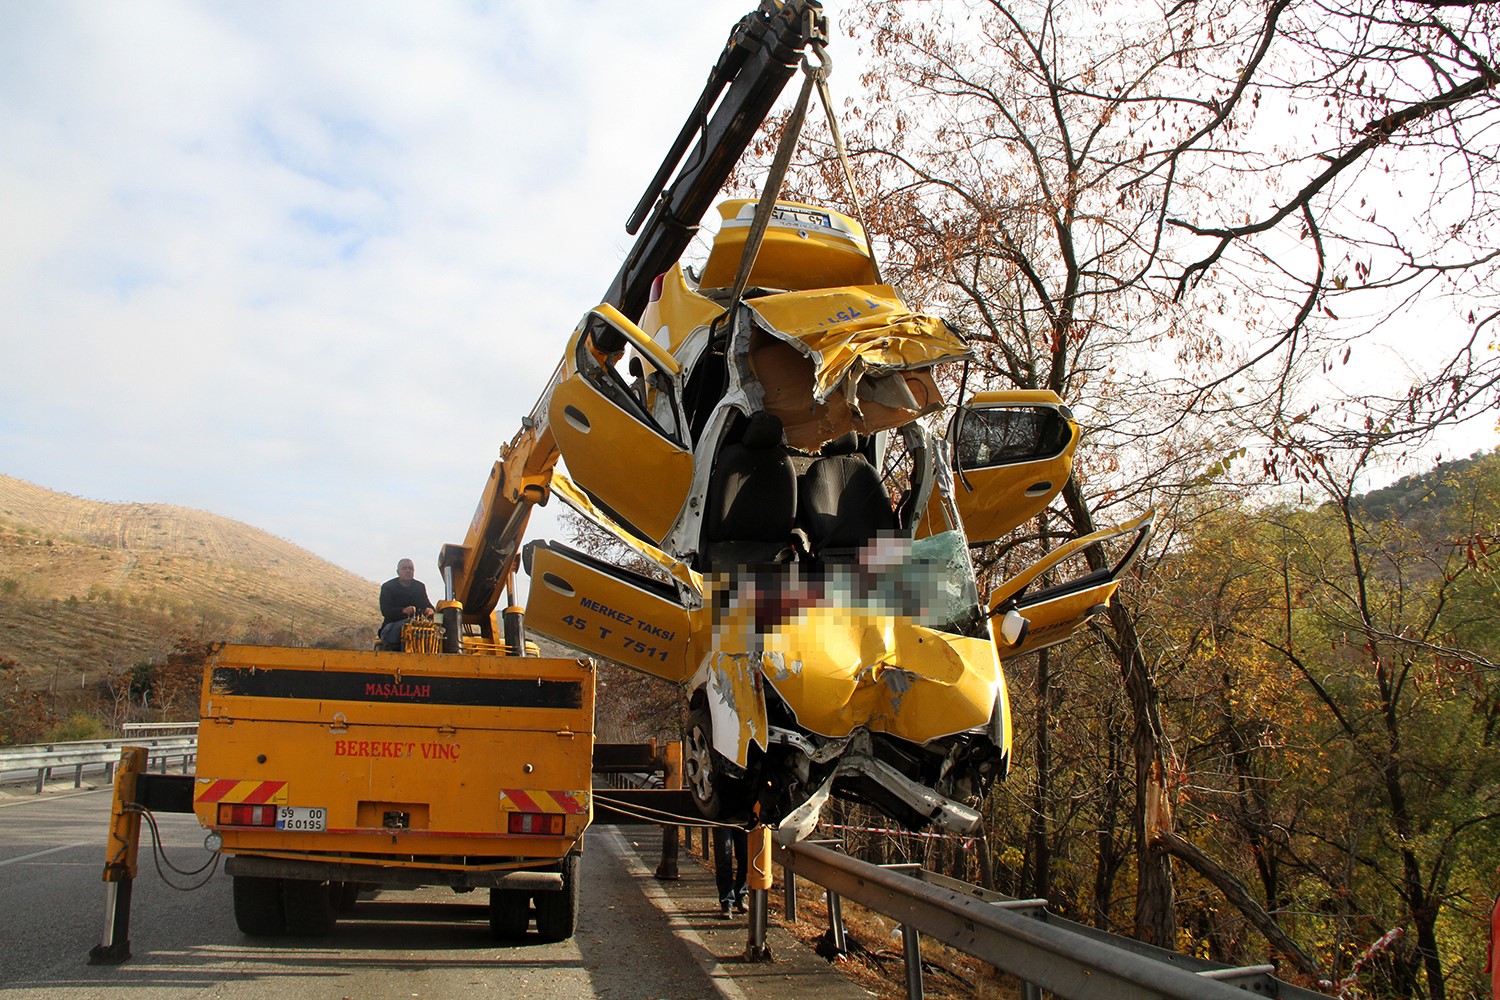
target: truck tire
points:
(258, 911)
(510, 912)
(716, 793)
(557, 912)
(309, 907)
(345, 895)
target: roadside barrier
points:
(45, 758)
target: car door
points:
(604, 610)
(621, 434)
(1053, 614)
(1011, 453)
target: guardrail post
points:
(836, 923)
(119, 861)
(911, 948)
(758, 881)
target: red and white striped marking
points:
(248, 792)
(538, 800)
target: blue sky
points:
(306, 265)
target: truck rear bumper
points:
(409, 877)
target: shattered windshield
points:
(929, 580)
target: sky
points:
(307, 265)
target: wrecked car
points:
(800, 500)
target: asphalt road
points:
(429, 943)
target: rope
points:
(968, 841)
(659, 816)
(767, 204)
(825, 70)
(159, 856)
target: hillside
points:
(87, 586)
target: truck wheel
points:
(345, 895)
(309, 907)
(557, 912)
(257, 906)
(510, 912)
(717, 794)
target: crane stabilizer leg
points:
(120, 861)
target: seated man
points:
(400, 599)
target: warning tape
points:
(968, 841)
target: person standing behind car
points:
(400, 599)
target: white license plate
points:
(803, 217)
(301, 818)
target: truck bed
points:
(449, 763)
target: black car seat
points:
(841, 502)
(752, 498)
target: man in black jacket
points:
(400, 599)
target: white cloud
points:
(306, 265)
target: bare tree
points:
(1161, 213)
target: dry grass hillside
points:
(87, 587)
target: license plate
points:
(803, 217)
(301, 818)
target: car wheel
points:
(717, 793)
(557, 912)
(345, 895)
(309, 907)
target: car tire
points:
(258, 910)
(309, 907)
(717, 794)
(557, 912)
(510, 912)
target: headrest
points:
(764, 431)
(844, 445)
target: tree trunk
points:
(1108, 859)
(1038, 876)
(1155, 901)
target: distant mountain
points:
(1417, 497)
(87, 586)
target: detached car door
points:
(601, 609)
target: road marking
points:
(38, 854)
(662, 900)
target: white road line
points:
(663, 900)
(39, 854)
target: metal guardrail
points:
(44, 758)
(1018, 936)
(134, 729)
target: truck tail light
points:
(550, 824)
(246, 815)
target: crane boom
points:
(759, 58)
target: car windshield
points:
(929, 580)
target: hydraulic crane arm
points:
(759, 58)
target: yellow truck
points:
(323, 771)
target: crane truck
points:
(766, 438)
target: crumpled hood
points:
(853, 330)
